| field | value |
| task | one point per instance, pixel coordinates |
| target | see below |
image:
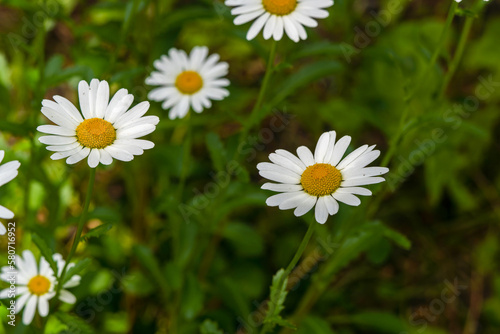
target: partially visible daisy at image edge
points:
(276, 17)
(35, 285)
(8, 172)
(104, 130)
(188, 81)
(323, 179)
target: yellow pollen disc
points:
(39, 285)
(189, 82)
(321, 179)
(95, 133)
(279, 7)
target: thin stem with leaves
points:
(81, 224)
(298, 254)
(262, 93)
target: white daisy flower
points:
(35, 285)
(8, 172)
(278, 16)
(322, 179)
(107, 129)
(188, 81)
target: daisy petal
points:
(306, 156)
(305, 206)
(276, 200)
(321, 211)
(339, 150)
(348, 199)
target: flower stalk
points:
(81, 224)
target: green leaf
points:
(318, 49)
(46, 252)
(192, 298)
(379, 253)
(75, 324)
(276, 301)
(178, 17)
(316, 325)
(97, 232)
(148, 260)
(77, 269)
(360, 240)
(278, 320)
(173, 275)
(54, 326)
(382, 322)
(245, 240)
(138, 284)
(398, 238)
(216, 150)
(231, 295)
(14, 128)
(305, 76)
(210, 327)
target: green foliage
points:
(210, 327)
(190, 244)
(97, 232)
(276, 303)
(313, 324)
(74, 323)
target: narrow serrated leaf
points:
(277, 299)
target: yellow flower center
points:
(321, 179)
(279, 7)
(39, 285)
(189, 82)
(95, 133)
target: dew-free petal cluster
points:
(276, 17)
(35, 284)
(327, 172)
(188, 81)
(104, 129)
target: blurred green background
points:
(191, 246)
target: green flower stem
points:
(262, 93)
(301, 248)
(293, 263)
(267, 77)
(81, 223)
(464, 36)
(186, 153)
(316, 290)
